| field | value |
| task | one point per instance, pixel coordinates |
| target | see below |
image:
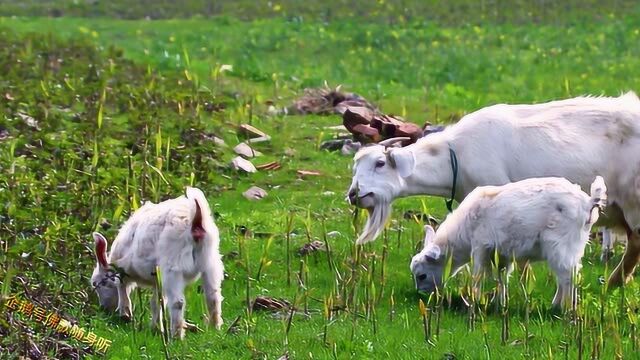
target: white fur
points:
(530, 220)
(575, 138)
(160, 235)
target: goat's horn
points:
(391, 141)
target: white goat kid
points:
(575, 139)
(180, 237)
(530, 220)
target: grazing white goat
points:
(575, 138)
(529, 220)
(177, 235)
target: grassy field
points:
(100, 114)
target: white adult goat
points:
(529, 220)
(177, 235)
(575, 138)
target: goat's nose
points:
(353, 194)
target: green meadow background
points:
(104, 105)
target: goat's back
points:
(574, 138)
(137, 246)
(515, 217)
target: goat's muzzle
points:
(352, 196)
(362, 201)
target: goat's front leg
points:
(479, 257)
(564, 291)
(124, 301)
(156, 312)
(173, 287)
(211, 282)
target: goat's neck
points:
(433, 174)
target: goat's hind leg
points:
(607, 245)
(212, 284)
(630, 259)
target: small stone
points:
(251, 131)
(254, 193)
(304, 173)
(219, 142)
(29, 120)
(313, 246)
(259, 139)
(246, 151)
(239, 163)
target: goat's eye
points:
(422, 277)
(379, 163)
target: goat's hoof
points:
(215, 320)
(178, 333)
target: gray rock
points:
(246, 151)
(240, 164)
(254, 193)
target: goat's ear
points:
(101, 250)
(429, 236)
(432, 252)
(403, 160)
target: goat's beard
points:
(378, 217)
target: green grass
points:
(452, 12)
(418, 69)
(124, 99)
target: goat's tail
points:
(202, 220)
(598, 197)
